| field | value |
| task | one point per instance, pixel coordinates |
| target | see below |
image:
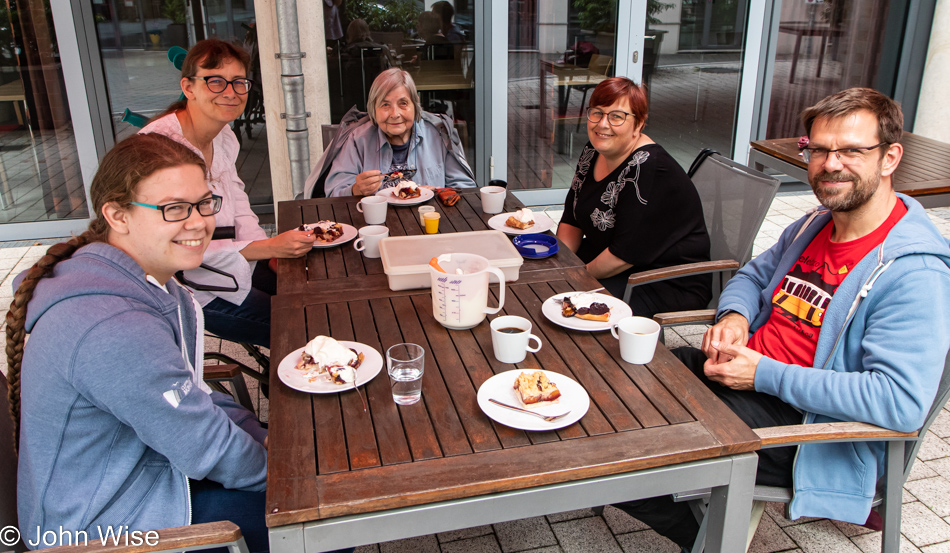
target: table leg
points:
(730, 507)
(798, 44)
(563, 98)
(287, 539)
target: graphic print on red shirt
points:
(800, 300)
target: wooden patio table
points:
(339, 476)
(923, 173)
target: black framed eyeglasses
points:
(843, 154)
(219, 84)
(179, 211)
(615, 118)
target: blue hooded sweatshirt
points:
(880, 354)
(114, 415)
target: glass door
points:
(693, 67)
(559, 51)
(42, 190)
(133, 39)
(434, 41)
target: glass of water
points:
(406, 363)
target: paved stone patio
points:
(926, 511)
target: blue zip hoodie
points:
(114, 418)
(880, 354)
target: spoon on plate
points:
(549, 418)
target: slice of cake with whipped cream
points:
(323, 231)
(522, 219)
(406, 190)
(324, 357)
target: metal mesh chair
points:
(735, 201)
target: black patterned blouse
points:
(648, 213)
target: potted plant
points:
(155, 36)
(600, 17)
(177, 12)
(395, 16)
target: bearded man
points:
(844, 319)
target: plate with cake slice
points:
(328, 366)
(406, 193)
(543, 392)
(521, 222)
(330, 233)
(585, 310)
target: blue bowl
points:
(535, 246)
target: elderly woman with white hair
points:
(396, 135)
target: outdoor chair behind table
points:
(735, 201)
(193, 538)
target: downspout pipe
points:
(291, 80)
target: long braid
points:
(16, 317)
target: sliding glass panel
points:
(431, 40)
(692, 70)
(40, 177)
(135, 37)
(560, 50)
(823, 48)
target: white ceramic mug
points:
(368, 242)
(510, 345)
(493, 199)
(373, 209)
(638, 337)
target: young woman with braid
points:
(116, 426)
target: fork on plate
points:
(549, 418)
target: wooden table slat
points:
(416, 425)
(327, 417)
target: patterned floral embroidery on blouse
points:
(604, 220)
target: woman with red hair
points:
(632, 208)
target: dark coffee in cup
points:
(511, 330)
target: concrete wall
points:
(933, 114)
(313, 43)
(671, 24)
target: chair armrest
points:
(221, 372)
(687, 269)
(697, 317)
(170, 539)
(778, 436)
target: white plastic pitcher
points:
(460, 301)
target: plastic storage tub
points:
(406, 258)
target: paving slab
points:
(480, 544)
(465, 533)
(586, 535)
(871, 543)
(527, 533)
(821, 537)
(647, 540)
(770, 538)
(922, 526)
(932, 492)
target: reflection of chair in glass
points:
(361, 65)
(735, 201)
(902, 448)
(598, 70)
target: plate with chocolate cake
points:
(585, 310)
(542, 392)
(328, 366)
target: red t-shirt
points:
(799, 302)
